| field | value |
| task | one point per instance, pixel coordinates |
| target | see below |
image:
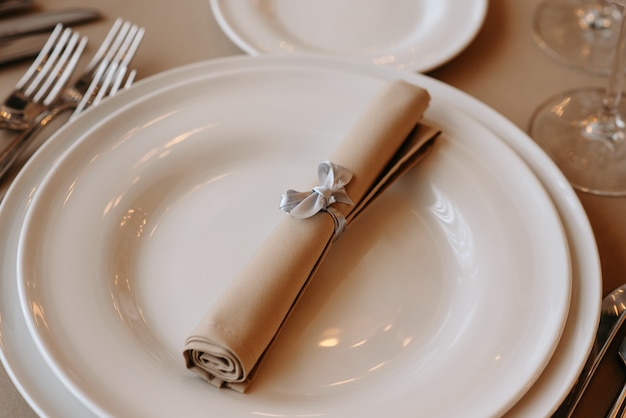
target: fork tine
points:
(115, 44)
(131, 79)
(125, 54)
(134, 45)
(119, 65)
(67, 48)
(49, 73)
(41, 57)
(43, 80)
(99, 57)
(62, 70)
(110, 49)
(47, 64)
(98, 84)
(67, 72)
(102, 83)
(126, 27)
(104, 46)
(108, 86)
(117, 83)
(110, 72)
(115, 79)
(82, 104)
(51, 69)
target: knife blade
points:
(44, 21)
(608, 328)
(14, 6)
(22, 47)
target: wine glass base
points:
(580, 37)
(564, 126)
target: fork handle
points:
(617, 410)
(12, 151)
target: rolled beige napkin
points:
(227, 346)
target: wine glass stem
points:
(616, 76)
(610, 124)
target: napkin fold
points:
(227, 346)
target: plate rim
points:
(82, 150)
(482, 109)
(455, 48)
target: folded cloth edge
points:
(263, 305)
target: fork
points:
(103, 76)
(617, 410)
(42, 82)
(109, 64)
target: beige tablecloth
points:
(502, 67)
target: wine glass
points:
(580, 34)
(584, 131)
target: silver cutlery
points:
(21, 47)
(109, 64)
(43, 81)
(611, 319)
(14, 6)
(44, 21)
(105, 74)
(24, 36)
(617, 410)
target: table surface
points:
(503, 67)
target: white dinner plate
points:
(414, 35)
(461, 269)
(40, 387)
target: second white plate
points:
(413, 35)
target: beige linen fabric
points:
(227, 345)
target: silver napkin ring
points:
(333, 178)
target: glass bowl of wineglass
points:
(584, 130)
(580, 34)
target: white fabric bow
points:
(333, 178)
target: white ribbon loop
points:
(333, 178)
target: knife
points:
(14, 6)
(608, 328)
(22, 47)
(44, 21)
